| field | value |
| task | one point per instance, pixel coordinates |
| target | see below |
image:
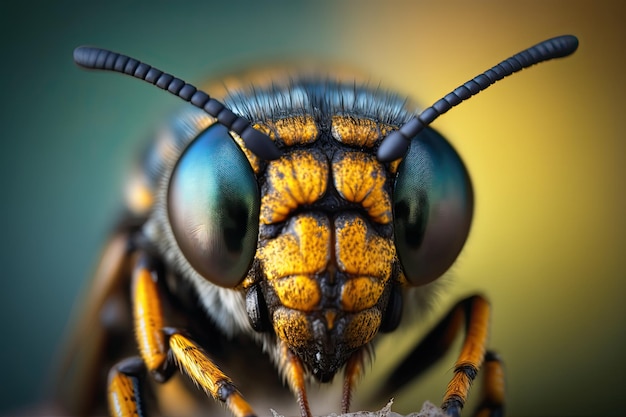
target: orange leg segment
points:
(157, 344)
(124, 388)
(148, 317)
(473, 315)
(472, 355)
(354, 369)
(295, 379)
(196, 364)
(492, 403)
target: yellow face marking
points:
(296, 179)
(292, 327)
(361, 293)
(355, 132)
(300, 292)
(366, 256)
(296, 130)
(361, 133)
(362, 253)
(360, 179)
(304, 249)
(362, 328)
(330, 316)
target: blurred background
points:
(544, 148)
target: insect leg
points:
(200, 368)
(294, 372)
(354, 369)
(148, 319)
(86, 349)
(492, 402)
(473, 313)
(477, 314)
(124, 388)
(158, 344)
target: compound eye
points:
(213, 207)
(433, 206)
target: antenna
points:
(394, 146)
(101, 59)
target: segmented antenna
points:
(101, 59)
(395, 145)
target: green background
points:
(545, 150)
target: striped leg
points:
(193, 361)
(477, 314)
(124, 393)
(471, 314)
(155, 344)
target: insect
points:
(281, 228)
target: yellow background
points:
(545, 149)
